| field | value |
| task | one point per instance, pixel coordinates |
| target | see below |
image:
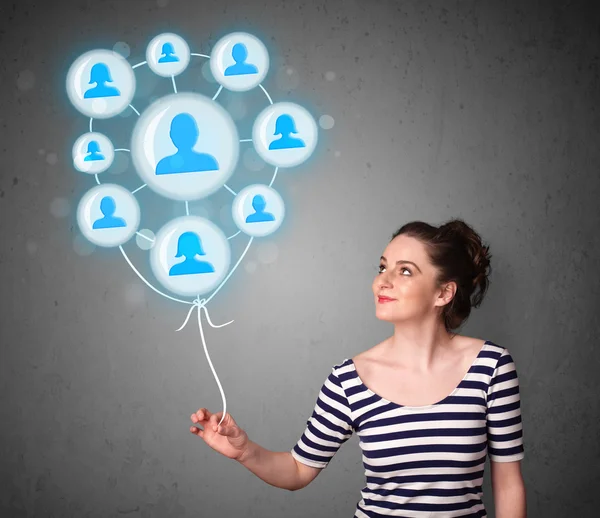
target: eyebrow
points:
(402, 261)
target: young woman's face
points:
(406, 276)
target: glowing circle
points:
(168, 55)
(239, 61)
(297, 130)
(100, 83)
(108, 215)
(93, 153)
(190, 256)
(207, 152)
(258, 210)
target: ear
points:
(446, 293)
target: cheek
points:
(405, 289)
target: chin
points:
(386, 316)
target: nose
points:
(383, 281)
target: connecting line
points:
(123, 149)
(174, 85)
(218, 92)
(131, 106)
(138, 189)
(274, 175)
(145, 237)
(187, 208)
(139, 64)
(234, 234)
(230, 190)
(97, 179)
(91, 119)
(246, 140)
(147, 283)
(201, 55)
(266, 93)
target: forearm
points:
(277, 468)
(510, 502)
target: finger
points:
(214, 420)
(201, 415)
(197, 431)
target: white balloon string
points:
(201, 304)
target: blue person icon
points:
(93, 152)
(284, 125)
(100, 74)
(259, 204)
(108, 220)
(168, 54)
(239, 53)
(189, 246)
(184, 135)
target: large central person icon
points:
(184, 135)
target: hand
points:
(228, 438)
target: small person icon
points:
(100, 74)
(168, 54)
(107, 207)
(259, 204)
(189, 246)
(284, 125)
(184, 135)
(93, 152)
(239, 52)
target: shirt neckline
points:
(422, 407)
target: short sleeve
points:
(329, 426)
(504, 426)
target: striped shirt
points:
(421, 461)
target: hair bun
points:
(478, 253)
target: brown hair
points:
(457, 252)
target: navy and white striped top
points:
(421, 461)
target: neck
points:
(418, 346)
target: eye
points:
(401, 269)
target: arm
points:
(276, 468)
(329, 426)
(505, 439)
(508, 489)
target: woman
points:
(427, 404)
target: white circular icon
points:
(93, 153)
(258, 210)
(190, 256)
(108, 215)
(284, 134)
(239, 61)
(185, 146)
(100, 83)
(168, 54)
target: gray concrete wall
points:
(486, 111)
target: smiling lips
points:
(383, 300)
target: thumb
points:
(230, 431)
